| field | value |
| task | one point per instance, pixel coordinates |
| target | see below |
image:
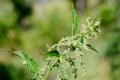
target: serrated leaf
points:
(53, 53)
(92, 48)
(74, 18)
(29, 62)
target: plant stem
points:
(50, 69)
(47, 73)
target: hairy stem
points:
(47, 73)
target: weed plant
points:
(66, 53)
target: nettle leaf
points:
(29, 62)
(92, 48)
(74, 17)
(53, 53)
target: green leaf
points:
(29, 62)
(72, 48)
(92, 48)
(74, 18)
(81, 41)
(53, 53)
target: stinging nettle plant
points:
(66, 54)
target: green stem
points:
(50, 69)
(47, 73)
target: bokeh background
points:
(29, 25)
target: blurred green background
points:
(29, 25)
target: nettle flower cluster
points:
(68, 52)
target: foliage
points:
(65, 53)
(68, 51)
